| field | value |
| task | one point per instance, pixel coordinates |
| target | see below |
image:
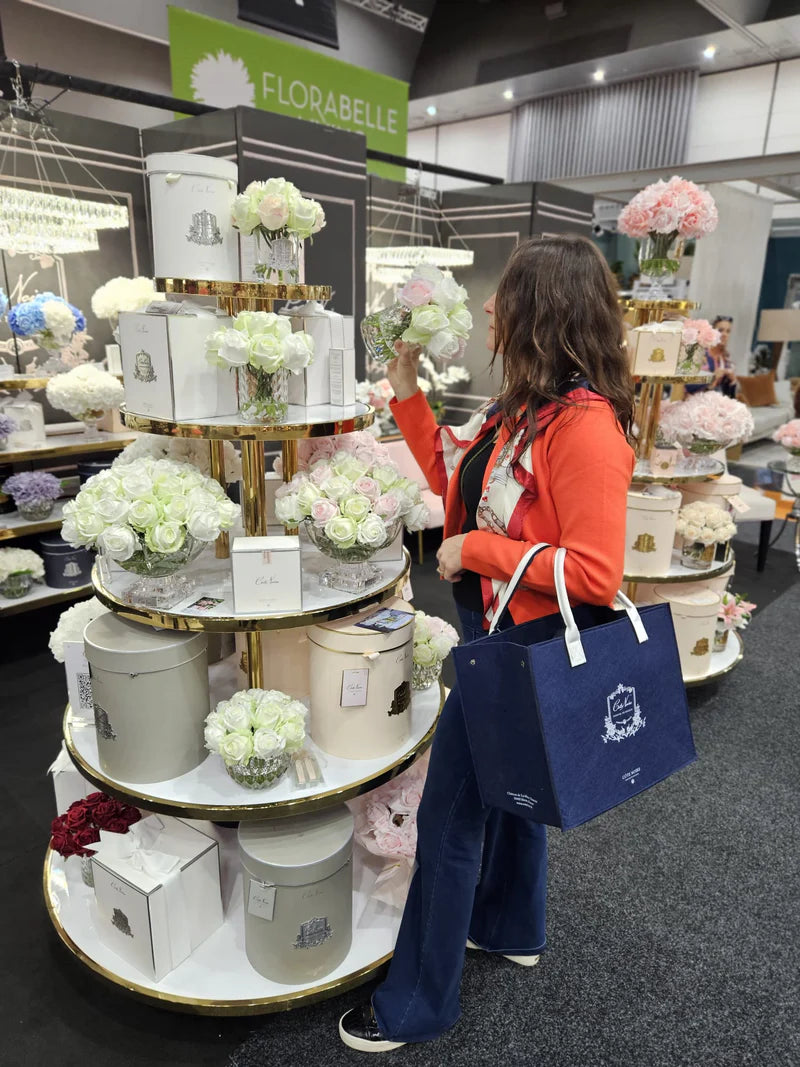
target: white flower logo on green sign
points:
(222, 80)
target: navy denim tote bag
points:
(572, 714)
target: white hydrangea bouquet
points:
(181, 450)
(430, 311)
(278, 215)
(19, 569)
(703, 526)
(71, 624)
(255, 733)
(263, 350)
(151, 516)
(433, 640)
(351, 501)
(123, 294)
(85, 392)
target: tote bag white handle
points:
(572, 635)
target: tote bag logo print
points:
(623, 714)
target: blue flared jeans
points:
(481, 873)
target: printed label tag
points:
(738, 504)
(355, 684)
(261, 900)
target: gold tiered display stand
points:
(648, 414)
(217, 978)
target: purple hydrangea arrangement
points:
(32, 488)
(7, 425)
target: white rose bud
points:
(136, 483)
(268, 713)
(294, 734)
(424, 655)
(235, 715)
(288, 510)
(165, 537)
(142, 514)
(203, 524)
(298, 351)
(306, 496)
(372, 532)
(176, 508)
(214, 732)
(342, 531)
(236, 748)
(266, 353)
(112, 510)
(336, 487)
(356, 507)
(267, 743)
(417, 518)
(119, 542)
(441, 645)
(90, 524)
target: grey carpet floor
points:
(672, 920)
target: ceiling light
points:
(599, 75)
(431, 109)
(412, 255)
(710, 51)
(508, 94)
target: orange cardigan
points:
(582, 464)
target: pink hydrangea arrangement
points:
(788, 435)
(734, 612)
(706, 419)
(376, 394)
(677, 208)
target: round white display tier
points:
(320, 420)
(211, 577)
(678, 573)
(721, 662)
(208, 792)
(217, 979)
(642, 473)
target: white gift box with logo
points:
(165, 368)
(267, 575)
(329, 331)
(342, 376)
(69, 784)
(655, 348)
(157, 892)
(191, 202)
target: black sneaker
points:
(359, 1029)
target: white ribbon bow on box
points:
(670, 326)
(135, 851)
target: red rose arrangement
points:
(82, 822)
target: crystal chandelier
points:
(419, 251)
(34, 217)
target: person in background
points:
(719, 362)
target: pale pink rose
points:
(368, 486)
(320, 473)
(284, 490)
(322, 511)
(387, 506)
(411, 796)
(415, 292)
(371, 455)
(273, 211)
(690, 335)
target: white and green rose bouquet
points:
(351, 501)
(433, 640)
(278, 215)
(255, 733)
(263, 350)
(150, 516)
(19, 569)
(431, 311)
(703, 526)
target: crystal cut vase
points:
(263, 395)
(424, 677)
(36, 510)
(381, 329)
(277, 256)
(16, 585)
(257, 773)
(352, 571)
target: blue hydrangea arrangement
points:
(48, 319)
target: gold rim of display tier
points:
(276, 809)
(22, 382)
(242, 290)
(676, 579)
(712, 676)
(248, 431)
(674, 379)
(231, 624)
(198, 1006)
(84, 447)
(639, 478)
(658, 305)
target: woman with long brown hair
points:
(547, 461)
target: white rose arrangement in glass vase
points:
(19, 569)
(152, 517)
(256, 732)
(279, 217)
(703, 527)
(433, 640)
(86, 392)
(263, 350)
(351, 501)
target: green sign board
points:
(223, 65)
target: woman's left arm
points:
(590, 467)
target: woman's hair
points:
(557, 316)
(722, 318)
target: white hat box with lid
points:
(694, 615)
(361, 685)
(650, 529)
(298, 894)
(191, 202)
(722, 491)
(138, 675)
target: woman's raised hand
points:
(402, 371)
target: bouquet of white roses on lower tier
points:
(433, 640)
(262, 340)
(85, 391)
(181, 450)
(255, 732)
(20, 561)
(145, 511)
(350, 503)
(705, 524)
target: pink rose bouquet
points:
(430, 311)
(788, 435)
(698, 335)
(706, 422)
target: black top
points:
(467, 592)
